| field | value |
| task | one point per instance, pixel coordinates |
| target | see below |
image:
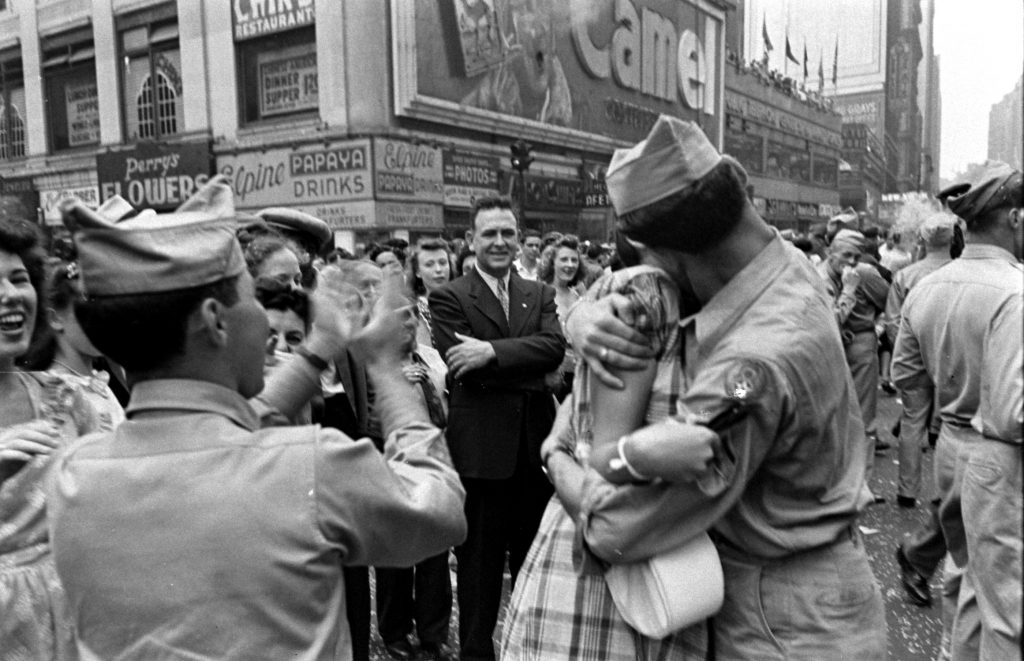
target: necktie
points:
(503, 296)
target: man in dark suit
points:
(499, 335)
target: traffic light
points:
(521, 157)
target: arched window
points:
(12, 126)
(159, 112)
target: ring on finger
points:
(603, 353)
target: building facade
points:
(903, 114)
(383, 118)
(789, 146)
(1006, 128)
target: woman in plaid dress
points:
(561, 607)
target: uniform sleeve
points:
(893, 307)
(873, 286)
(633, 522)
(908, 371)
(392, 510)
(1001, 406)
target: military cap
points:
(996, 185)
(151, 253)
(937, 229)
(311, 229)
(674, 155)
(848, 239)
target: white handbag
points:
(670, 591)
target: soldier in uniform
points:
(782, 498)
(954, 340)
(191, 532)
(858, 292)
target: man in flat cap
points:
(858, 294)
(782, 498)
(189, 532)
(960, 337)
(310, 233)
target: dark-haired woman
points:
(430, 267)
(65, 350)
(40, 412)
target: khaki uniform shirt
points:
(903, 281)
(949, 321)
(189, 532)
(856, 314)
(791, 473)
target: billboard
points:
(867, 109)
(595, 74)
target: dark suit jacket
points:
(504, 410)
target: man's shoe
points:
(437, 652)
(914, 583)
(908, 502)
(400, 649)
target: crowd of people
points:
(212, 425)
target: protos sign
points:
(646, 53)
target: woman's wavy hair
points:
(546, 268)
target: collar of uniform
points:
(729, 304)
(191, 395)
(987, 251)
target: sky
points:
(981, 46)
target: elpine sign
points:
(318, 175)
(602, 67)
(256, 18)
(406, 171)
(154, 176)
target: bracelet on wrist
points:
(620, 462)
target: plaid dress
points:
(557, 611)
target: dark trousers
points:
(502, 516)
(926, 546)
(357, 610)
(422, 593)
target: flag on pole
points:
(821, 72)
(764, 35)
(805, 62)
(789, 52)
(835, 64)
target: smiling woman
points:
(40, 412)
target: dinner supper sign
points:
(288, 80)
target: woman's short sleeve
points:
(654, 296)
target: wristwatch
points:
(316, 361)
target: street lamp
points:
(521, 159)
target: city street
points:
(914, 632)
